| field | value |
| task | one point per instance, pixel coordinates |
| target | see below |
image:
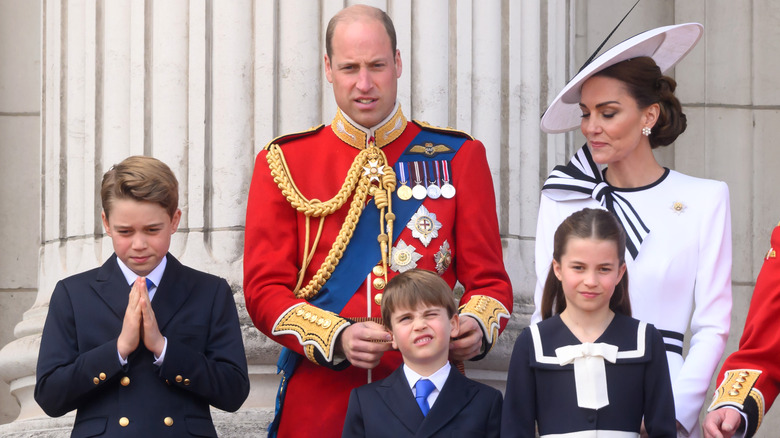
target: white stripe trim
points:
(640, 344)
(594, 434)
(672, 341)
(630, 354)
(369, 376)
(540, 357)
(368, 295)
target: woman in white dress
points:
(678, 226)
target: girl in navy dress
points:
(588, 369)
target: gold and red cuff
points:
(738, 390)
(488, 313)
(315, 328)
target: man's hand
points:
(721, 423)
(364, 344)
(469, 341)
(130, 335)
(153, 339)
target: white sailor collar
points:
(628, 334)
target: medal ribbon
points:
(445, 168)
(416, 174)
(435, 164)
(402, 172)
(359, 258)
(424, 165)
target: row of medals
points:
(420, 191)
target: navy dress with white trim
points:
(542, 393)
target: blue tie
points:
(149, 284)
(424, 389)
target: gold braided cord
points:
(383, 200)
(314, 208)
(309, 251)
(356, 181)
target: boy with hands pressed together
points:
(139, 322)
(142, 345)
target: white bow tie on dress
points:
(590, 376)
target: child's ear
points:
(557, 269)
(392, 341)
(455, 323)
(105, 222)
(175, 221)
(621, 271)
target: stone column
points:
(728, 88)
(731, 97)
(20, 151)
(204, 85)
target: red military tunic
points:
(750, 377)
(318, 162)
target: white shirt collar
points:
(155, 275)
(438, 378)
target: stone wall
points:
(204, 85)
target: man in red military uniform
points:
(750, 377)
(337, 211)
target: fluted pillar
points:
(203, 85)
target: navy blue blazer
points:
(78, 365)
(387, 408)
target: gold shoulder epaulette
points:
(282, 139)
(452, 131)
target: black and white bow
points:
(582, 178)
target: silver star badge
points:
(373, 170)
(424, 226)
(443, 258)
(404, 257)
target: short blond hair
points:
(143, 179)
(412, 288)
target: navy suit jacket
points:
(387, 408)
(79, 368)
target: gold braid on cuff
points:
(488, 312)
(737, 390)
(315, 328)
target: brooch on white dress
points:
(678, 207)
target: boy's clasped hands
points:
(139, 322)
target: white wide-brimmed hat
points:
(666, 45)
